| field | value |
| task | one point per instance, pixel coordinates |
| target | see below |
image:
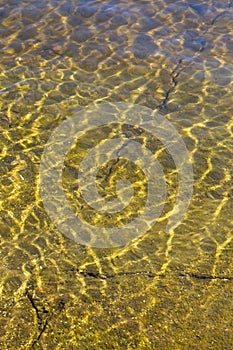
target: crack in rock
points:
(150, 274)
(206, 277)
(41, 323)
(174, 75)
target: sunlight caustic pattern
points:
(63, 137)
(171, 288)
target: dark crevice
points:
(114, 275)
(219, 15)
(41, 323)
(41, 332)
(43, 316)
(115, 161)
(150, 274)
(51, 51)
(206, 277)
(174, 75)
(176, 71)
(111, 168)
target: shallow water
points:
(167, 289)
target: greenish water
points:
(165, 290)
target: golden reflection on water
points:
(162, 291)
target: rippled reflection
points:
(162, 291)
